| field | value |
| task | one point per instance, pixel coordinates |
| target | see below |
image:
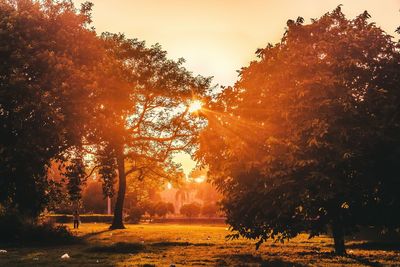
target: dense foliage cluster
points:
(49, 59)
(308, 138)
(191, 210)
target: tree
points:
(164, 208)
(209, 209)
(48, 70)
(143, 117)
(143, 195)
(93, 200)
(306, 139)
(191, 210)
(75, 172)
(135, 214)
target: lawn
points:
(190, 245)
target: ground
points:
(190, 245)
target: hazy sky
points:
(218, 37)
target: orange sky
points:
(218, 37)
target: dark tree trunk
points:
(118, 222)
(338, 238)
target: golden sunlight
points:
(195, 105)
(200, 179)
(169, 186)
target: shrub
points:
(191, 210)
(11, 225)
(47, 233)
(209, 210)
(164, 208)
(15, 228)
(135, 214)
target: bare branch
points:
(91, 172)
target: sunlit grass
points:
(187, 245)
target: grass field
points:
(190, 245)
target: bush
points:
(47, 233)
(164, 208)
(191, 210)
(135, 214)
(210, 210)
(15, 228)
(11, 225)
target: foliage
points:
(47, 233)
(93, 200)
(191, 210)
(308, 137)
(47, 73)
(160, 209)
(65, 89)
(16, 228)
(107, 171)
(76, 176)
(210, 209)
(142, 116)
(11, 225)
(135, 214)
(163, 208)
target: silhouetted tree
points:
(47, 71)
(307, 139)
(75, 174)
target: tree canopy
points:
(145, 117)
(47, 76)
(307, 139)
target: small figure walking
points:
(76, 219)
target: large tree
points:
(307, 139)
(48, 68)
(144, 116)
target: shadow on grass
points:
(43, 242)
(134, 247)
(120, 247)
(332, 255)
(364, 261)
(387, 246)
(180, 244)
(50, 240)
(89, 235)
(240, 259)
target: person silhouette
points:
(76, 219)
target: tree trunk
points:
(118, 222)
(338, 238)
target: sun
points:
(195, 105)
